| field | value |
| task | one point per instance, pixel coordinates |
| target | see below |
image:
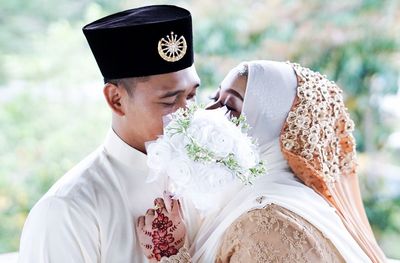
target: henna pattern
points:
(165, 235)
(163, 240)
(179, 241)
(161, 222)
(147, 246)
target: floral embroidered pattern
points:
(288, 238)
(265, 253)
(264, 222)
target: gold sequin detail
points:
(317, 136)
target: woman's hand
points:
(161, 231)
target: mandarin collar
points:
(123, 152)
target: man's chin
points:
(154, 137)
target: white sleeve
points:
(59, 230)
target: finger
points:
(168, 201)
(175, 207)
(140, 223)
(150, 212)
(159, 203)
(180, 211)
(149, 218)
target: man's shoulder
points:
(57, 222)
(84, 181)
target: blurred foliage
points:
(383, 212)
(52, 113)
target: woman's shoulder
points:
(267, 221)
(275, 234)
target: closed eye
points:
(213, 98)
(169, 104)
(229, 108)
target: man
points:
(146, 58)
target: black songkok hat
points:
(141, 42)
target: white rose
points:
(216, 137)
(219, 176)
(159, 154)
(246, 154)
(207, 178)
(221, 143)
(178, 142)
(179, 170)
(203, 115)
(215, 118)
(200, 183)
(199, 131)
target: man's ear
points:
(114, 95)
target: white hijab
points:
(271, 90)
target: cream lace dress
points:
(270, 234)
(275, 234)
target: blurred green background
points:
(52, 112)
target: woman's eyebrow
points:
(235, 93)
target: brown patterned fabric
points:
(275, 234)
(318, 144)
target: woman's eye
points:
(213, 98)
(229, 108)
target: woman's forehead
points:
(230, 78)
(234, 82)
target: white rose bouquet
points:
(203, 151)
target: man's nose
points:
(182, 104)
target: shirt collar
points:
(123, 152)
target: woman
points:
(313, 214)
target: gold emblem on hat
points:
(172, 48)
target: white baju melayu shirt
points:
(89, 215)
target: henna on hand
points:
(162, 232)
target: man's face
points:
(157, 96)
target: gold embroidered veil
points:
(318, 144)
